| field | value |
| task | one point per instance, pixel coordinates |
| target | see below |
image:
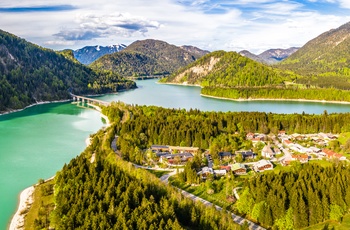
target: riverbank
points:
(276, 99)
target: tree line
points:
(327, 94)
(139, 127)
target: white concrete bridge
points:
(88, 100)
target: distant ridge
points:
(89, 54)
(271, 56)
(148, 57)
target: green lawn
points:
(158, 173)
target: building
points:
(333, 155)
(302, 158)
(176, 159)
(225, 155)
(250, 136)
(263, 165)
(238, 169)
(246, 154)
(268, 152)
(160, 148)
(287, 142)
(180, 149)
(220, 172)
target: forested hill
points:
(325, 59)
(226, 69)
(148, 57)
(111, 194)
(31, 74)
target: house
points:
(315, 150)
(263, 165)
(180, 149)
(285, 161)
(238, 169)
(205, 172)
(225, 155)
(268, 152)
(220, 172)
(287, 142)
(250, 136)
(333, 155)
(256, 140)
(225, 167)
(281, 133)
(160, 148)
(179, 158)
(246, 154)
(302, 158)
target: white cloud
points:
(243, 24)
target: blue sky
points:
(254, 25)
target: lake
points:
(36, 142)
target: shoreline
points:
(26, 196)
(25, 201)
(31, 105)
(276, 99)
(257, 99)
(179, 84)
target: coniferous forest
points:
(300, 198)
(30, 74)
(110, 193)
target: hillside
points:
(325, 59)
(146, 57)
(89, 54)
(226, 69)
(30, 74)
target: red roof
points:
(331, 154)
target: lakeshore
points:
(276, 99)
(255, 99)
(31, 105)
(26, 196)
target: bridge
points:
(88, 100)
(145, 77)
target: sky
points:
(231, 25)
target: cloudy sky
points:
(254, 25)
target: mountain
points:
(225, 69)
(30, 74)
(147, 57)
(254, 57)
(198, 53)
(89, 54)
(271, 56)
(324, 60)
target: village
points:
(282, 149)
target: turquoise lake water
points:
(36, 142)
